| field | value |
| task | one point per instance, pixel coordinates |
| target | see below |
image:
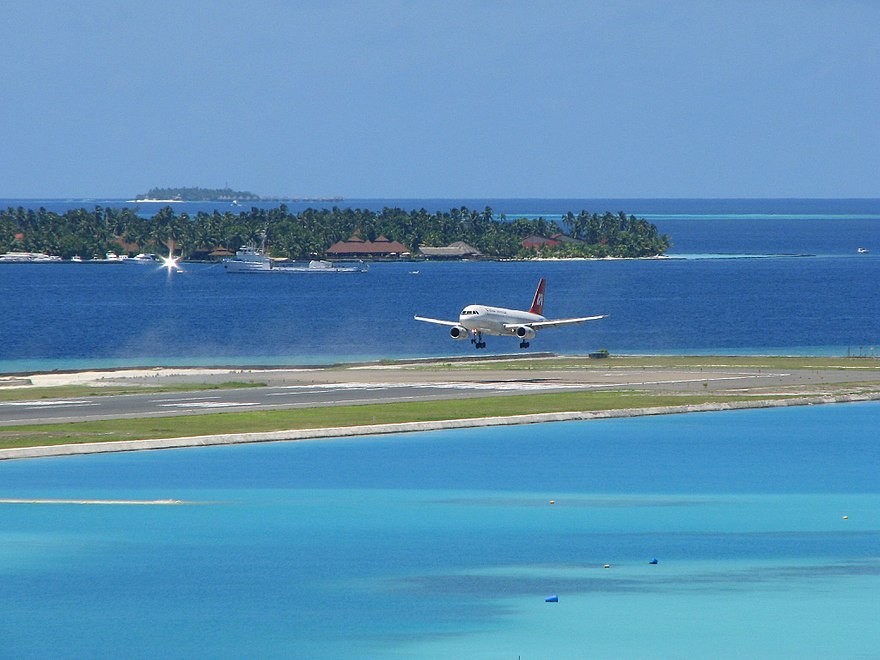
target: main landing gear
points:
(477, 340)
(524, 344)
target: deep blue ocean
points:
(745, 276)
(765, 524)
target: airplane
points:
(477, 320)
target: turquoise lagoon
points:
(765, 525)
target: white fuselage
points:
(492, 320)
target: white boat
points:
(28, 257)
(862, 250)
(249, 259)
(144, 258)
(324, 266)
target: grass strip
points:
(78, 391)
(332, 416)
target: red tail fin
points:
(538, 301)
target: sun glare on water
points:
(171, 265)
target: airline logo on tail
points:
(538, 301)
(477, 320)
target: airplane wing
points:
(553, 323)
(437, 321)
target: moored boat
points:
(28, 257)
(324, 266)
(248, 259)
(144, 258)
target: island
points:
(196, 194)
(337, 233)
(227, 194)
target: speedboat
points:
(144, 258)
(862, 250)
(324, 266)
(28, 257)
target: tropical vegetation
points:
(200, 194)
(307, 234)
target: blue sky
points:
(482, 99)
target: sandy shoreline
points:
(108, 377)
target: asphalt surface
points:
(227, 400)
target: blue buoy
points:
(654, 561)
(552, 599)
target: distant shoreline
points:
(230, 200)
(161, 201)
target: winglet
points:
(538, 301)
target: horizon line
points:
(281, 198)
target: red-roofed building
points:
(358, 247)
(565, 238)
(537, 242)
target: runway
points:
(46, 411)
(355, 385)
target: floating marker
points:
(653, 561)
(552, 599)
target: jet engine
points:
(459, 332)
(525, 332)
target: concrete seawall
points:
(409, 427)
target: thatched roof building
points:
(358, 247)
